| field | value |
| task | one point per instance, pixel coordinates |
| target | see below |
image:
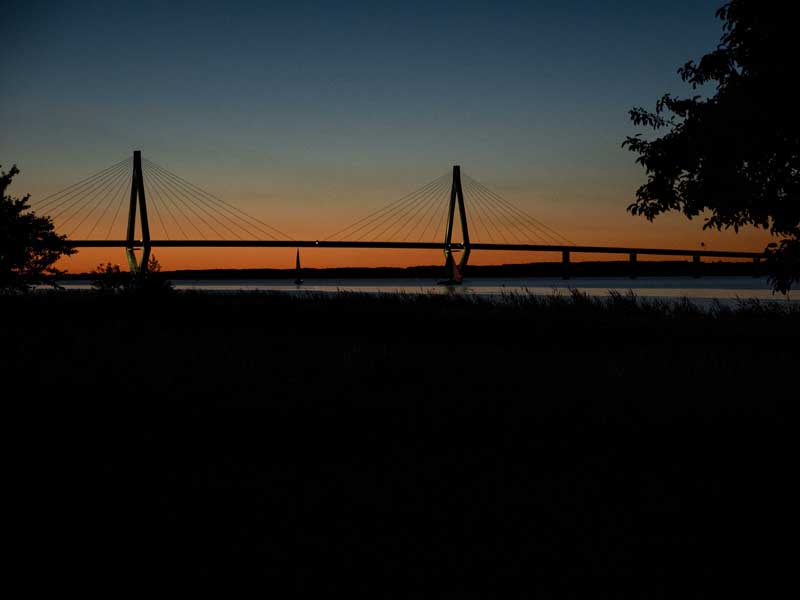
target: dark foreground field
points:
(348, 440)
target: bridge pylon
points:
(137, 197)
(455, 271)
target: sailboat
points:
(298, 280)
(454, 273)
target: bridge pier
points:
(133, 264)
(565, 270)
(756, 267)
(137, 266)
(696, 266)
(454, 273)
(633, 265)
(137, 197)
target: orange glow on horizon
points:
(670, 236)
(590, 217)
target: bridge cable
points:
(409, 217)
(513, 218)
(391, 206)
(207, 208)
(76, 200)
(435, 200)
(412, 211)
(193, 203)
(511, 212)
(440, 203)
(166, 186)
(228, 206)
(78, 196)
(390, 219)
(556, 235)
(41, 204)
(396, 210)
(180, 187)
(74, 195)
(224, 205)
(116, 213)
(481, 211)
(468, 209)
(381, 213)
(537, 233)
(474, 218)
(112, 197)
(154, 204)
(529, 234)
(476, 210)
(89, 200)
(443, 203)
(533, 220)
(503, 216)
(177, 202)
(248, 227)
(443, 218)
(157, 192)
(389, 212)
(109, 189)
(440, 197)
(202, 206)
(490, 214)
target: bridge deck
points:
(414, 246)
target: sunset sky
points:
(310, 116)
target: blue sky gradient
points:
(297, 110)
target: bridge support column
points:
(565, 270)
(756, 267)
(454, 273)
(696, 266)
(633, 265)
(137, 196)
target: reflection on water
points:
(727, 289)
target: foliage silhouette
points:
(29, 246)
(735, 154)
(109, 278)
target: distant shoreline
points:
(542, 269)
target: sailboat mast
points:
(297, 280)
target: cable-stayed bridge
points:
(453, 213)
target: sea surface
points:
(727, 290)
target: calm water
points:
(703, 290)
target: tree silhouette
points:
(29, 246)
(735, 154)
(109, 278)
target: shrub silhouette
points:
(109, 278)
